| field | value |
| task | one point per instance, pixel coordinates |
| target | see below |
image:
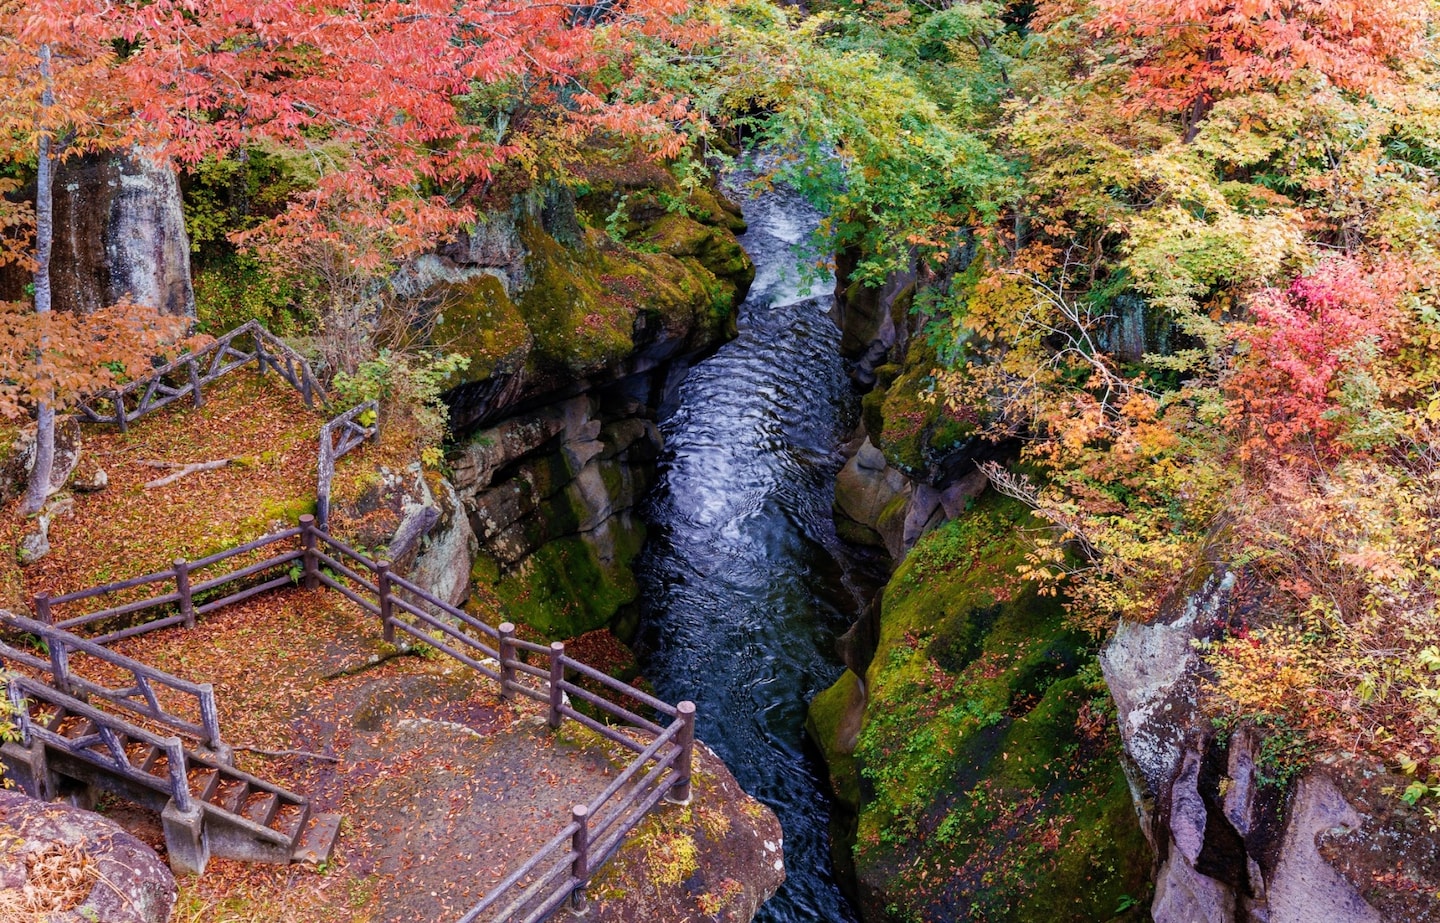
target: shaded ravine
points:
(744, 584)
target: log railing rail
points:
(338, 437)
(661, 735)
(187, 375)
(183, 596)
(142, 698)
(105, 743)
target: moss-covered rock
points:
(479, 320)
(986, 771)
(907, 421)
(592, 306)
(573, 584)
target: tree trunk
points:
(39, 486)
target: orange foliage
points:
(369, 90)
(59, 357)
(1192, 52)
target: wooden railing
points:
(560, 870)
(187, 376)
(338, 437)
(105, 743)
(183, 596)
(662, 736)
(140, 698)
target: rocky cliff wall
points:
(119, 234)
(1243, 831)
(579, 338)
(1229, 825)
(970, 742)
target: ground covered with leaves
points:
(127, 529)
(443, 786)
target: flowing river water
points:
(744, 583)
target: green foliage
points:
(233, 288)
(851, 129)
(411, 382)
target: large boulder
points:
(119, 234)
(17, 459)
(119, 878)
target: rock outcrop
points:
(1241, 834)
(971, 749)
(577, 341)
(119, 234)
(718, 858)
(17, 459)
(125, 882)
(417, 517)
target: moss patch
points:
(567, 588)
(587, 306)
(480, 321)
(988, 765)
(904, 420)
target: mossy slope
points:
(986, 774)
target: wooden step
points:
(204, 781)
(230, 794)
(42, 714)
(149, 754)
(290, 819)
(75, 727)
(260, 807)
(317, 842)
(158, 764)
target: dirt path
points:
(445, 789)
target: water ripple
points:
(743, 584)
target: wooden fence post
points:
(196, 397)
(685, 740)
(260, 356)
(182, 587)
(309, 552)
(557, 676)
(382, 585)
(507, 660)
(59, 662)
(325, 472)
(210, 717)
(580, 845)
(42, 609)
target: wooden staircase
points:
(234, 814)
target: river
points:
(744, 583)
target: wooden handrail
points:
(595, 830)
(152, 392)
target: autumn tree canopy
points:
(401, 108)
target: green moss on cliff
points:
(480, 321)
(587, 307)
(570, 585)
(905, 420)
(987, 767)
